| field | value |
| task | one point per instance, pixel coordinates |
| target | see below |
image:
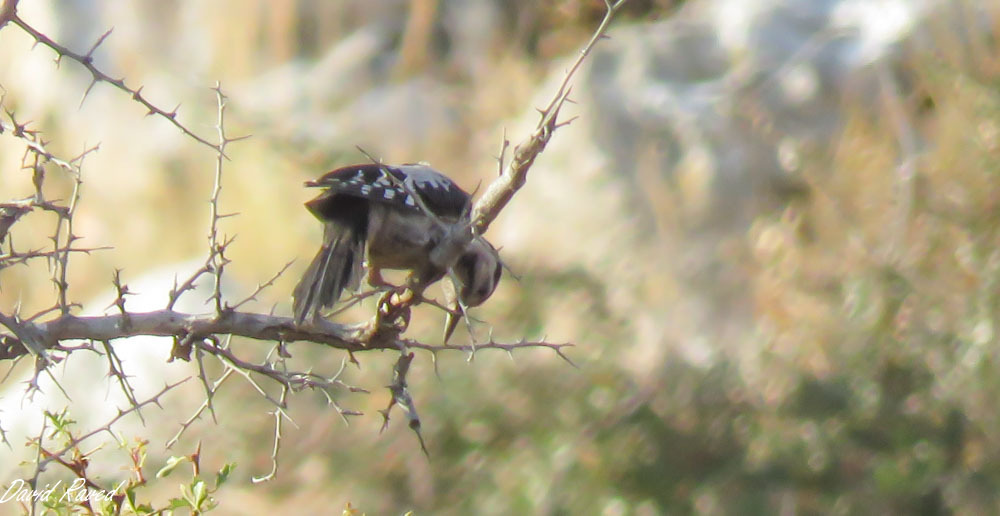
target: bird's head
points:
(476, 275)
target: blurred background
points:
(771, 235)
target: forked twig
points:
(97, 75)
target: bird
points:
(391, 217)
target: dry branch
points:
(153, 400)
(169, 323)
(497, 195)
(8, 13)
(515, 174)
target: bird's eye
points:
(464, 267)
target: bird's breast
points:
(400, 239)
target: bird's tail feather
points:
(336, 266)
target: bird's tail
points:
(336, 266)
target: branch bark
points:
(8, 11)
(502, 189)
(169, 323)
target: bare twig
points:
(62, 260)
(155, 399)
(293, 380)
(87, 61)
(244, 369)
(36, 155)
(9, 215)
(197, 413)
(401, 396)
(508, 347)
(28, 335)
(216, 252)
(36, 146)
(189, 284)
(260, 287)
(502, 157)
(277, 441)
(330, 401)
(203, 376)
(121, 290)
(515, 174)
(17, 258)
(63, 237)
(117, 370)
(8, 11)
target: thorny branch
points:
(11, 258)
(217, 260)
(278, 414)
(515, 174)
(168, 323)
(8, 13)
(198, 332)
(497, 195)
(401, 396)
(155, 399)
(197, 413)
(65, 223)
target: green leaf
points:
(188, 495)
(223, 474)
(199, 493)
(172, 464)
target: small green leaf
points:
(199, 493)
(172, 464)
(223, 474)
(188, 495)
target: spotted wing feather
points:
(393, 184)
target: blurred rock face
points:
(689, 129)
(723, 99)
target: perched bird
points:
(370, 216)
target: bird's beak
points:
(455, 312)
(312, 184)
(451, 321)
